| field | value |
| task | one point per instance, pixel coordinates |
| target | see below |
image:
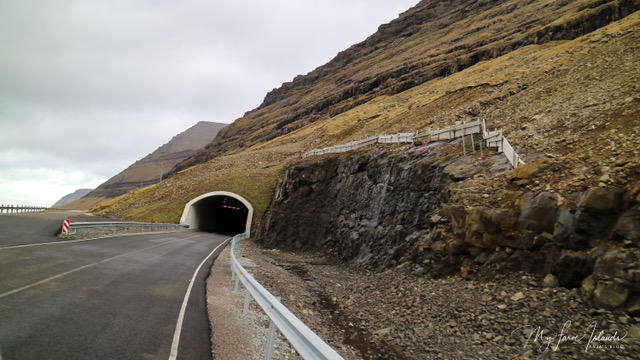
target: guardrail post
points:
(271, 339)
(247, 299)
(235, 288)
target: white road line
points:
(80, 240)
(176, 335)
(84, 267)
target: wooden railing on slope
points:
(491, 139)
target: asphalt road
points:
(114, 298)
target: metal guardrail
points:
(9, 209)
(124, 226)
(304, 340)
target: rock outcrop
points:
(441, 214)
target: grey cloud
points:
(89, 87)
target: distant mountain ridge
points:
(69, 198)
(150, 169)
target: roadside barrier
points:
(489, 139)
(304, 340)
(65, 227)
(103, 228)
(9, 209)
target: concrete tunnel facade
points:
(221, 212)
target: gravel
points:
(234, 335)
(393, 314)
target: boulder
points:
(565, 232)
(610, 295)
(478, 228)
(550, 281)
(539, 212)
(628, 227)
(571, 268)
(613, 265)
(545, 258)
(486, 228)
(588, 287)
(602, 199)
(521, 261)
(531, 169)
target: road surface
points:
(129, 297)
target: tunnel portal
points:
(219, 212)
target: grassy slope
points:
(558, 97)
(430, 41)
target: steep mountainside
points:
(577, 99)
(432, 40)
(150, 169)
(76, 195)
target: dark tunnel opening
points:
(221, 214)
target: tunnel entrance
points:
(219, 212)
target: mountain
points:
(76, 195)
(150, 169)
(559, 77)
(432, 40)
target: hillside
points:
(561, 97)
(150, 169)
(431, 41)
(69, 198)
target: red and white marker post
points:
(65, 227)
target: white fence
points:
(304, 340)
(381, 139)
(498, 140)
(452, 132)
(491, 139)
(8, 209)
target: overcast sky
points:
(87, 87)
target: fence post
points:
(464, 146)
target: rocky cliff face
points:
(432, 211)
